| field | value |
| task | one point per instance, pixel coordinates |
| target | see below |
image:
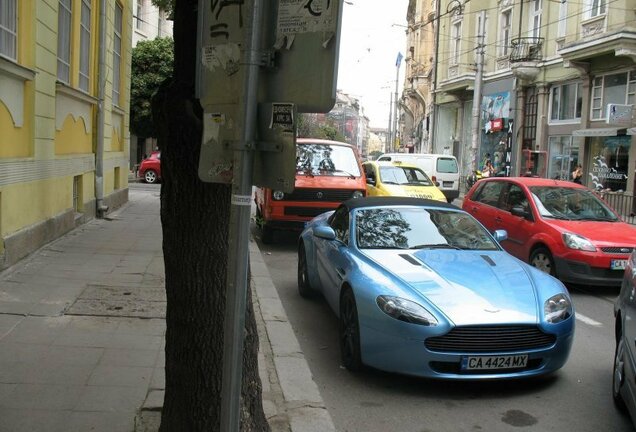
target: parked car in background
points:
(421, 288)
(439, 167)
(624, 382)
(327, 173)
(389, 179)
(560, 227)
(150, 168)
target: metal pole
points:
(395, 101)
(389, 136)
(236, 296)
(433, 114)
(477, 93)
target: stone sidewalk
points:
(82, 333)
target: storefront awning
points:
(603, 132)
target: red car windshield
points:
(571, 204)
(326, 159)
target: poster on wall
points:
(495, 109)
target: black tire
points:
(618, 377)
(151, 176)
(541, 258)
(350, 332)
(267, 234)
(304, 286)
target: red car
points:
(150, 168)
(560, 227)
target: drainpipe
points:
(101, 208)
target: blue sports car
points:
(421, 288)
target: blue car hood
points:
(469, 287)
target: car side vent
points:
(489, 260)
(410, 259)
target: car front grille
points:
(328, 195)
(617, 250)
(491, 339)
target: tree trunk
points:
(195, 221)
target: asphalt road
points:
(576, 398)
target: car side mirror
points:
(371, 181)
(325, 232)
(500, 235)
(521, 212)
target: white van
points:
(439, 167)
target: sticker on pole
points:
(282, 116)
(241, 200)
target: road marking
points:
(587, 320)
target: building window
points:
(506, 28)
(78, 202)
(617, 88)
(456, 39)
(119, 12)
(564, 156)
(9, 28)
(563, 16)
(64, 20)
(535, 19)
(596, 8)
(566, 102)
(85, 46)
(139, 22)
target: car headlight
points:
(405, 310)
(357, 194)
(278, 195)
(557, 308)
(575, 241)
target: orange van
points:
(327, 173)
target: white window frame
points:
(560, 87)
(534, 23)
(595, 8)
(139, 22)
(118, 22)
(505, 32)
(563, 15)
(455, 42)
(9, 29)
(64, 39)
(85, 46)
(598, 105)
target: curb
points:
(288, 386)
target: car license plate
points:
(618, 264)
(447, 184)
(495, 362)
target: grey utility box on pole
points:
(299, 53)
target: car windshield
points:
(419, 228)
(558, 202)
(404, 176)
(326, 160)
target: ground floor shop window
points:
(608, 162)
(564, 157)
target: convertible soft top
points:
(391, 201)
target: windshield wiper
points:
(346, 172)
(435, 246)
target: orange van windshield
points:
(326, 160)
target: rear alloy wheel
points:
(541, 258)
(151, 176)
(349, 332)
(619, 375)
(304, 286)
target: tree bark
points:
(195, 223)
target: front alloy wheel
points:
(349, 332)
(619, 374)
(541, 258)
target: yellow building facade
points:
(64, 104)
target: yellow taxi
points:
(399, 179)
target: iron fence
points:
(623, 203)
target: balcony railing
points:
(623, 203)
(525, 49)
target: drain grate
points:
(120, 301)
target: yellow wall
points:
(16, 142)
(73, 139)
